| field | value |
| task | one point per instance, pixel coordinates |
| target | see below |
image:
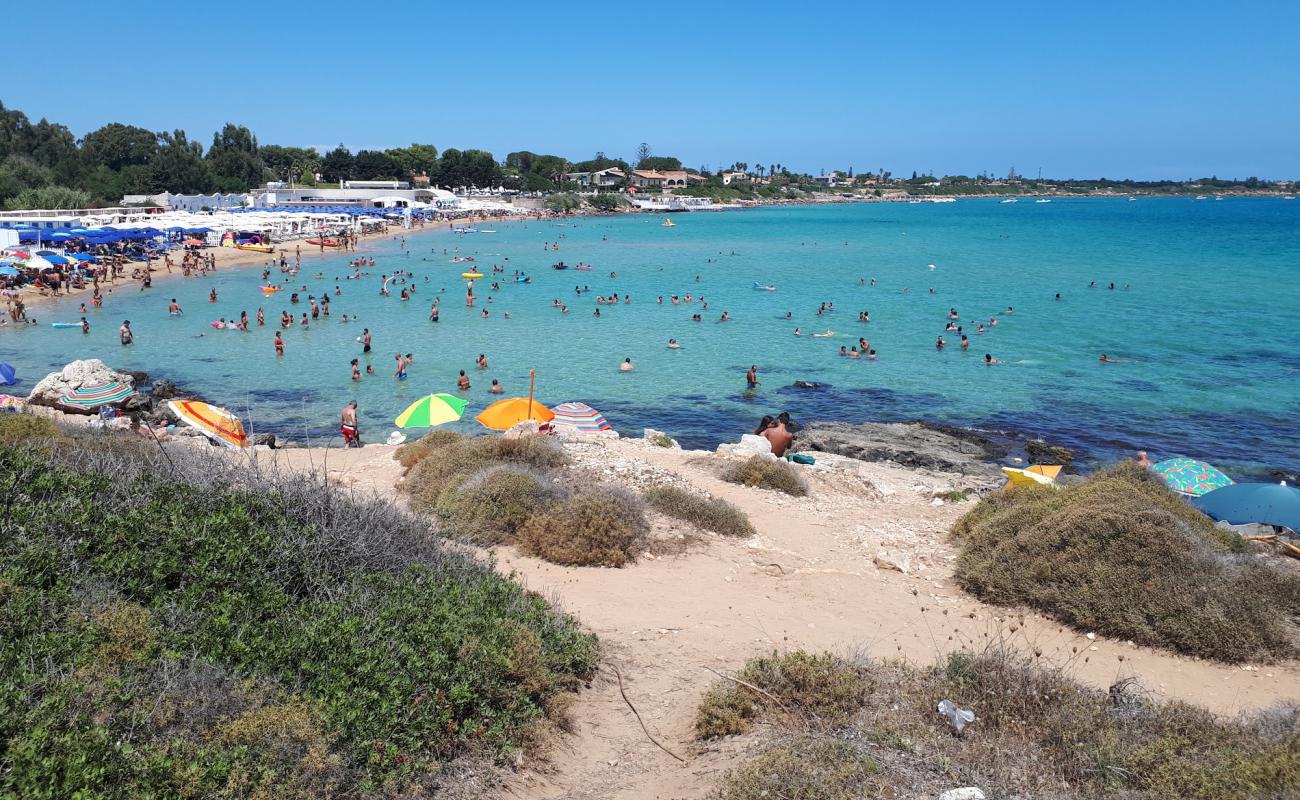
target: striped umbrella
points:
(1190, 477)
(96, 396)
(435, 409)
(214, 422)
(580, 417)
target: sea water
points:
(1201, 320)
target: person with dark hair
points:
(348, 425)
(763, 424)
(790, 424)
(777, 435)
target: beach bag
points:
(801, 458)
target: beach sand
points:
(821, 573)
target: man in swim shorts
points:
(348, 425)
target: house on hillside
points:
(728, 177)
(654, 179)
(608, 178)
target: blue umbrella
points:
(8, 376)
(1244, 503)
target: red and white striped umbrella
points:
(581, 417)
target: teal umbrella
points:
(1190, 477)
(1244, 503)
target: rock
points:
(964, 793)
(653, 438)
(164, 390)
(88, 372)
(262, 439)
(885, 561)
(1041, 452)
(806, 385)
(908, 444)
(139, 378)
(526, 428)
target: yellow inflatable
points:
(471, 275)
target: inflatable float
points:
(471, 275)
(764, 287)
(325, 242)
(65, 324)
(256, 248)
(270, 289)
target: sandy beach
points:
(863, 564)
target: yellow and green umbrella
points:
(434, 409)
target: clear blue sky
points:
(1142, 88)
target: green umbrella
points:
(434, 409)
(1190, 477)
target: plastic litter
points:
(958, 718)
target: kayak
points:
(65, 324)
(325, 242)
(256, 248)
(270, 289)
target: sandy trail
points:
(809, 579)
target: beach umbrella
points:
(98, 395)
(1190, 477)
(505, 414)
(435, 409)
(214, 422)
(8, 375)
(1037, 475)
(1244, 503)
(580, 417)
(8, 271)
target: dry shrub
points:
(1037, 734)
(26, 430)
(765, 473)
(707, 513)
(412, 453)
(450, 461)
(1121, 555)
(489, 506)
(606, 530)
(810, 767)
(823, 688)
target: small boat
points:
(1288, 197)
(764, 287)
(584, 267)
(1009, 200)
(325, 242)
(560, 265)
(487, 231)
(459, 259)
(1218, 197)
(256, 248)
(1044, 200)
(465, 230)
(1201, 197)
(667, 223)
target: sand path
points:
(810, 579)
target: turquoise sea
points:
(1201, 319)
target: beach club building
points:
(360, 194)
(655, 179)
(609, 178)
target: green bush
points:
(18, 430)
(189, 628)
(491, 505)
(765, 473)
(606, 530)
(413, 452)
(1121, 555)
(707, 513)
(822, 687)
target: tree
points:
(20, 172)
(659, 163)
(49, 197)
(642, 153)
(290, 163)
(179, 166)
(234, 159)
(418, 159)
(374, 165)
(337, 164)
(116, 146)
(606, 202)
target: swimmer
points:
(481, 361)
(1105, 359)
(356, 369)
(725, 317)
(462, 383)
(940, 344)
(990, 360)
(495, 388)
(279, 344)
(798, 332)
(172, 308)
(673, 345)
(626, 366)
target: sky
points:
(1144, 89)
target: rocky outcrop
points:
(907, 444)
(1041, 452)
(89, 372)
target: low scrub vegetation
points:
(178, 627)
(819, 688)
(440, 461)
(607, 530)
(490, 506)
(1037, 734)
(1121, 555)
(26, 429)
(705, 513)
(766, 473)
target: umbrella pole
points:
(532, 379)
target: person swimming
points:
(673, 345)
(626, 366)
(990, 360)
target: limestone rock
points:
(964, 793)
(652, 438)
(1041, 452)
(88, 372)
(907, 444)
(528, 427)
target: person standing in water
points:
(751, 377)
(348, 425)
(279, 344)
(124, 333)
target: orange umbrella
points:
(505, 414)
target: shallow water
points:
(1209, 363)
